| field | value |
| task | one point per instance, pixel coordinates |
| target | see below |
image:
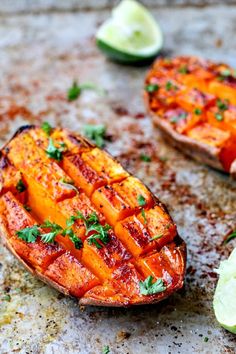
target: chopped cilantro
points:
(29, 234)
(92, 224)
(47, 128)
(75, 90)
(169, 86)
(141, 200)
(219, 117)
(144, 216)
(221, 105)
(198, 111)
(176, 119)
(106, 349)
(27, 207)
(55, 230)
(96, 133)
(157, 237)
(151, 87)
(21, 187)
(53, 152)
(145, 158)
(148, 287)
(183, 69)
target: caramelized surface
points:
(197, 99)
(87, 180)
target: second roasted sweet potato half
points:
(193, 102)
(77, 220)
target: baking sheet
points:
(40, 56)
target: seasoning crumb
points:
(206, 339)
(122, 335)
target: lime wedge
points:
(224, 302)
(131, 35)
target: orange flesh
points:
(110, 273)
(196, 108)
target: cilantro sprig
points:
(96, 133)
(30, 234)
(20, 187)
(148, 287)
(92, 224)
(76, 89)
(54, 152)
(152, 88)
(47, 128)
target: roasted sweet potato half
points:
(193, 102)
(76, 219)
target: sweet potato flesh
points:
(202, 105)
(86, 184)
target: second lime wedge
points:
(225, 294)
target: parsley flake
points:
(157, 237)
(221, 105)
(152, 87)
(147, 287)
(183, 69)
(21, 187)
(141, 200)
(219, 117)
(47, 128)
(145, 158)
(92, 224)
(75, 90)
(106, 349)
(169, 86)
(96, 133)
(144, 216)
(198, 111)
(53, 152)
(55, 230)
(29, 234)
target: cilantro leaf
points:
(198, 111)
(221, 105)
(53, 152)
(75, 90)
(47, 128)
(145, 158)
(106, 349)
(147, 287)
(21, 187)
(92, 224)
(29, 234)
(183, 69)
(144, 216)
(55, 230)
(151, 87)
(141, 200)
(72, 236)
(96, 133)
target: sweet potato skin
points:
(111, 292)
(200, 79)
